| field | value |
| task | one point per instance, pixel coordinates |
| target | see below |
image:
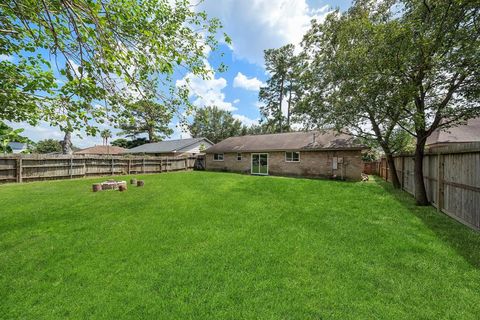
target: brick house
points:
(306, 154)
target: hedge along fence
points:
(452, 181)
(24, 168)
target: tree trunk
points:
(67, 143)
(384, 143)
(288, 108)
(393, 170)
(280, 104)
(151, 135)
(420, 191)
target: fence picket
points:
(24, 168)
(452, 182)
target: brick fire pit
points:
(110, 185)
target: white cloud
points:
(207, 92)
(259, 104)
(4, 57)
(75, 67)
(255, 25)
(44, 131)
(179, 132)
(242, 81)
(236, 101)
(245, 120)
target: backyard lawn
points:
(202, 245)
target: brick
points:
(311, 164)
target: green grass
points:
(225, 246)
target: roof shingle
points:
(312, 140)
(101, 150)
(469, 132)
(165, 146)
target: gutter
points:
(287, 150)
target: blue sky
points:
(253, 25)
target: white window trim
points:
(251, 162)
(223, 157)
(292, 156)
(241, 156)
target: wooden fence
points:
(452, 181)
(26, 168)
(371, 167)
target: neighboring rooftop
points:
(101, 150)
(308, 141)
(167, 146)
(469, 132)
(17, 145)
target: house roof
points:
(17, 145)
(101, 150)
(307, 141)
(469, 132)
(166, 146)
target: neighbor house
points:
(101, 150)
(18, 147)
(306, 154)
(463, 137)
(172, 148)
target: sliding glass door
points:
(260, 163)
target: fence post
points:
(161, 165)
(402, 182)
(129, 165)
(186, 164)
(19, 170)
(386, 170)
(71, 167)
(113, 166)
(440, 182)
(143, 165)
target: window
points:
(218, 157)
(336, 161)
(239, 156)
(292, 156)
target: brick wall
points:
(311, 164)
(229, 163)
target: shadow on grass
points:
(460, 237)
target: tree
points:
(122, 142)
(214, 124)
(48, 146)
(346, 83)
(106, 134)
(149, 117)
(128, 144)
(412, 64)
(7, 135)
(263, 127)
(67, 143)
(282, 65)
(105, 51)
(438, 66)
